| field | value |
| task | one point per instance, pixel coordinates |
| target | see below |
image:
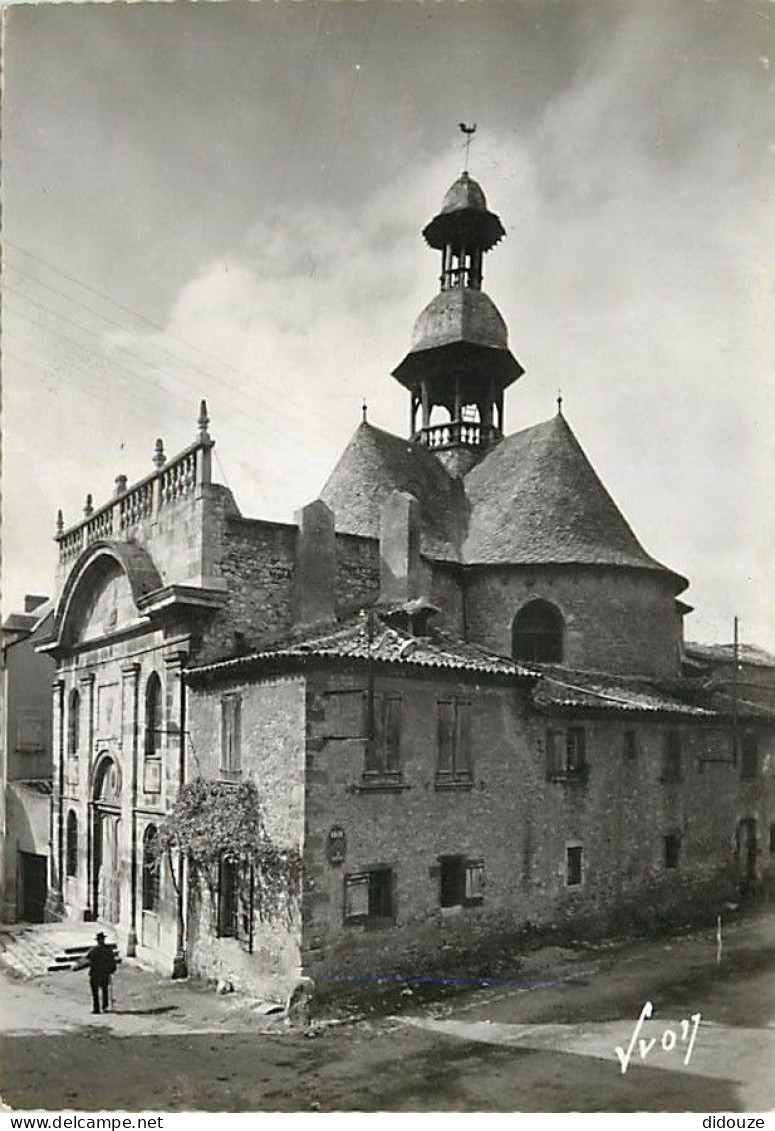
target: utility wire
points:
(158, 385)
(292, 416)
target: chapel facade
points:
(458, 682)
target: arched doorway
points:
(106, 880)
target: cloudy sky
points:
(225, 200)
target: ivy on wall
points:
(215, 821)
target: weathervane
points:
(469, 131)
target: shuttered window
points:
(453, 730)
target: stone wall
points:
(616, 620)
(516, 821)
(272, 755)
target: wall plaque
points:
(336, 845)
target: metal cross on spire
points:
(469, 131)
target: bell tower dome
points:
(459, 361)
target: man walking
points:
(102, 965)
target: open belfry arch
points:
(460, 360)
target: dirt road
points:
(509, 1047)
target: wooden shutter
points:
(393, 712)
(236, 735)
(445, 727)
(463, 739)
(554, 740)
(375, 758)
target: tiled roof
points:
(725, 654)
(376, 463)
(439, 650)
(562, 688)
(535, 498)
(566, 689)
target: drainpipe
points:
(132, 675)
(180, 964)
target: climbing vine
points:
(212, 822)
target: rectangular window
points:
(231, 736)
(383, 746)
(234, 906)
(453, 730)
(576, 752)
(368, 896)
(573, 866)
(461, 881)
(228, 898)
(672, 850)
(749, 758)
(671, 757)
(566, 754)
(772, 839)
(630, 746)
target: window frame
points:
(546, 644)
(630, 746)
(71, 844)
(456, 740)
(566, 754)
(383, 756)
(73, 723)
(749, 757)
(462, 880)
(671, 851)
(230, 766)
(370, 880)
(672, 757)
(153, 735)
(574, 848)
(150, 887)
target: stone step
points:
(35, 950)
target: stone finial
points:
(203, 422)
(120, 485)
(60, 523)
(88, 508)
(364, 411)
(159, 458)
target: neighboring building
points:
(25, 762)
(457, 683)
(750, 680)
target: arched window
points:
(537, 633)
(73, 723)
(153, 716)
(71, 854)
(151, 870)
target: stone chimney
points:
(400, 568)
(315, 566)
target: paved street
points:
(546, 1044)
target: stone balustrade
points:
(471, 433)
(176, 480)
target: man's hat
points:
(100, 935)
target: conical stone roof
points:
(534, 499)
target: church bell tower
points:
(459, 364)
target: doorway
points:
(746, 855)
(33, 885)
